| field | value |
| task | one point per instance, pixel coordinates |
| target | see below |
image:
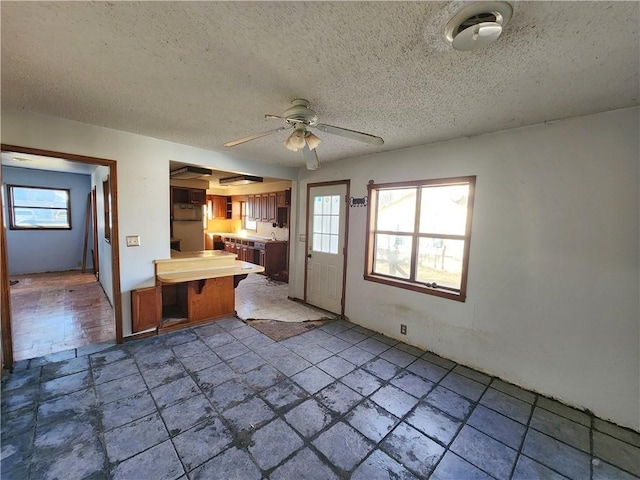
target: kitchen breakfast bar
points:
(191, 288)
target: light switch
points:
(133, 240)
(303, 238)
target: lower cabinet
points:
(146, 308)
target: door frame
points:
(347, 183)
(115, 246)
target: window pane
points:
(317, 223)
(440, 261)
(335, 204)
(392, 255)
(396, 210)
(443, 209)
(334, 225)
(334, 244)
(317, 242)
(39, 197)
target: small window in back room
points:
(39, 208)
(419, 234)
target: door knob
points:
(308, 255)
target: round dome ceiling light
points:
(477, 25)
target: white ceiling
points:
(204, 73)
(39, 162)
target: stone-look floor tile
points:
(362, 382)
(309, 417)
(379, 465)
(506, 405)
(154, 357)
(415, 351)
(17, 422)
(312, 379)
(87, 350)
(107, 356)
(160, 374)
(207, 330)
(290, 364)
(66, 367)
(24, 378)
(334, 345)
(343, 446)
(412, 384)
(617, 432)
(52, 357)
(556, 455)
(243, 332)
(453, 467)
(112, 371)
(412, 449)
(604, 471)
(178, 338)
(263, 377)
(449, 402)
(284, 395)
(16, 451)
(249, 415)
(189, 349)
(384, 339)
(130, 439)
(184, 415)
(246, 362)
(304, 464)
(472, 374)
(128, 409)
(560, 428)
(427, 370)
(218, 339)
(233, 463)
(230, 323)
(394, 400)
(256, 341)
(371, 420)
(438, 360)
(617, 452)
(273, 443)
(527, 469)
(66, 406)
(312, 353)
(65, 385)
(356, 355)
(336, 367)
(62, 434)
(174, 392)
(514, 391)
(497, 426)
(381, 368)
(374, 346)
(339, 398)
(434, 423)
(230, 350)
(199, 444)
(121, 388)
(484, 452)
(334, 328)
(464, 386)
(214, 376)
(200, 361)
(229, 394)
(351, 336)
(77, 461)
(565, 411)
(162, 460)
(398, 357)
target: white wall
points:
(35, 251)
(143, 182)
(553, 288)
(105, 270)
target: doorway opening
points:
(59, 310)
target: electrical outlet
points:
(133, 241)
(403, 329)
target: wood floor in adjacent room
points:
(58, 311)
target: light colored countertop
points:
(188, 266)
(254, 238)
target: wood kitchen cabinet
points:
(217, 207)
(268, 207)
(146, 308)
(196, 196)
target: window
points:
(419, 234)
(247, 223)
(326, 221)
(39, 208)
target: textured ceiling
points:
(204, 73)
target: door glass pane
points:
(443, 209)
(440, 261)
(326, 221)
(396, 209)
(393, 255)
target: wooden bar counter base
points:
(191, 288)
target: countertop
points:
(254, 238)
(200, 265)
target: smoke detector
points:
(477, 25)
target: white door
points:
(325, 246)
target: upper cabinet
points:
(219, 207)
(195, 196)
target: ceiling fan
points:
(301, 118)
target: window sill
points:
(415, 287)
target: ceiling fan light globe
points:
(312, 141)
(290, 145)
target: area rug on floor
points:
(277, 331)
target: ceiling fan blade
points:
(351, 134)
(311, 158)
(253, 137)
(269, 116)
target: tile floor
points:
(223, 401)
(56, 311)
(258, 297)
